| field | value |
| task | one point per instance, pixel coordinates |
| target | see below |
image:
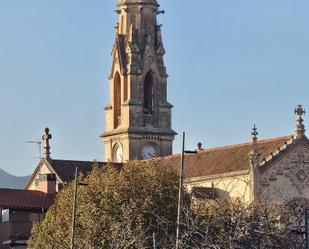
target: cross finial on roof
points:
(46, 148)
(300, 128)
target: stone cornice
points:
(142, 130)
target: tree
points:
(235, 225)
(122, 209)
(118, 209)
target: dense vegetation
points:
(123, 209)
(118, 209)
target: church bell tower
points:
(138, 116)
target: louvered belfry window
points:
(149, 94)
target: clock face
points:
(118, 153)
(148, 151)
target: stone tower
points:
(138, 116)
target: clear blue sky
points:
(231, 64)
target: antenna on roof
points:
(39, 143)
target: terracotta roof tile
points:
(25, 199)
(226, 159)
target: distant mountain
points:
(10, 181)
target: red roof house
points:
(19, 210)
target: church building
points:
(138, 127)
(138, 123)
(273, 170)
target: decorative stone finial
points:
(46, 148)
(254, 152)
(199, 146)
(300, 128)
(254, 133)
(117, 29)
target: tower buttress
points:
(138, 116)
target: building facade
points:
(273, 170)
(20, 209)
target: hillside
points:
(10, 181)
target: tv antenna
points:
(39, 144)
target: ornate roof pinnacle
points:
(254, 152)
(300, 127)
(46, 148)
(117, 29)
(254, 133)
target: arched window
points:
(149, 94)
(117, 100)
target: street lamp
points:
(74, 206)
(180, 191)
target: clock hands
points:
(149, 152)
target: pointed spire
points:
(300, 127)
(46, 148)
(254, 152)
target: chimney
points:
(46, 183)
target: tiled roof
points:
(65, 169)
(224, 159)
(25, 199)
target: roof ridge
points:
(22, 190)
(237, 145)
(70, 160)
(245, 144)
